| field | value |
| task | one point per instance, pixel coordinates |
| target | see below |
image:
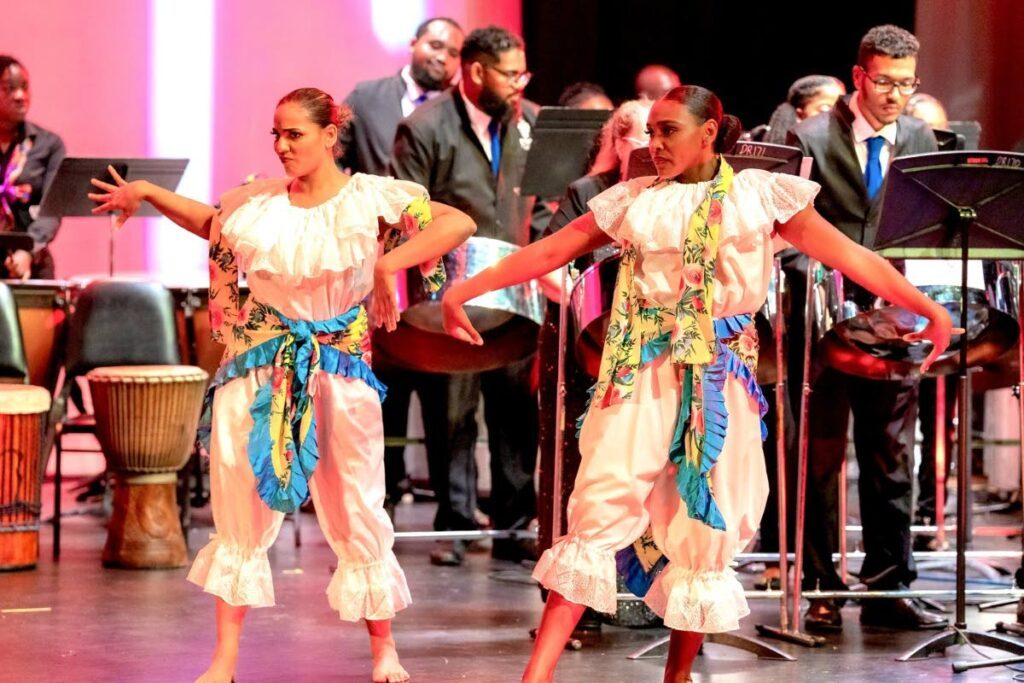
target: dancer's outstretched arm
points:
(127, 197)
(819, 239)
(576, 239)
(447, 229)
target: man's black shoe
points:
(899, 613)
(823, 615)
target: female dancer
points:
(295, 391)
(672, 437)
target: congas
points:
(508, 319)
(591, 305)
(23, 411)
(146, 418)
(863, 336)
(43, 307)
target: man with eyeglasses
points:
(468, 147)
(852, 147)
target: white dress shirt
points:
(479, 121)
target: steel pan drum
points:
(591, 305)
(508, 319)
(869, 343)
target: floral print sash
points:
(640, 331)
(282, 446)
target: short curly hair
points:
(888, 41)
(486, 45)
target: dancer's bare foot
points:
(222, 669)
(386, 667)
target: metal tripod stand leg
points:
(787, 631)
(754, 646)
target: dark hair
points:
(321, 109)
(422, 28)
(704, 105)
(805, 89)
(578, 92)
(486, 45)
(889, 41)
(7, 61)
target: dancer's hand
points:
(937, 331)
(124, 197)
(384, 302)
(456, 322)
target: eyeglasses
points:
(884, 86)
(513, 78)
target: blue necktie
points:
(873, 169)
(420, 100)
(494, 128)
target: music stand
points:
(561, 141)
(745, 154)
(955, 205)
(68, 194)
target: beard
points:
(424, 78)
(495, 106)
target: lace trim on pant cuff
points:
(581, 573)
(371, 590)
(698, 600)
(238, 576)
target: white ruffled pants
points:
(347, 489)
(626, 482)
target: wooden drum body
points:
(23, 411)
(146, 418)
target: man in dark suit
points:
(852, 146)
(377, 107)
(468, 148)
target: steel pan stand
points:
(935, 204)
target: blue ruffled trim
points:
(693, 480)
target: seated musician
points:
(29, 157)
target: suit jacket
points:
(436, 147)
(376, 110)
(828, 138)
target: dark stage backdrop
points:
(748, 54)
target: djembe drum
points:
(146, 418)
(23, 412)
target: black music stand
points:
(745, 154)
(956, 205)
(68, 194)
(560, 145)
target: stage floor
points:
(466, 624)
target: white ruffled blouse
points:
(312, 263)
(655, 218)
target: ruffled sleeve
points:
(404, 207)
(609, 207)
(786, 195)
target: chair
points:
(113, 323)
(13, 363)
